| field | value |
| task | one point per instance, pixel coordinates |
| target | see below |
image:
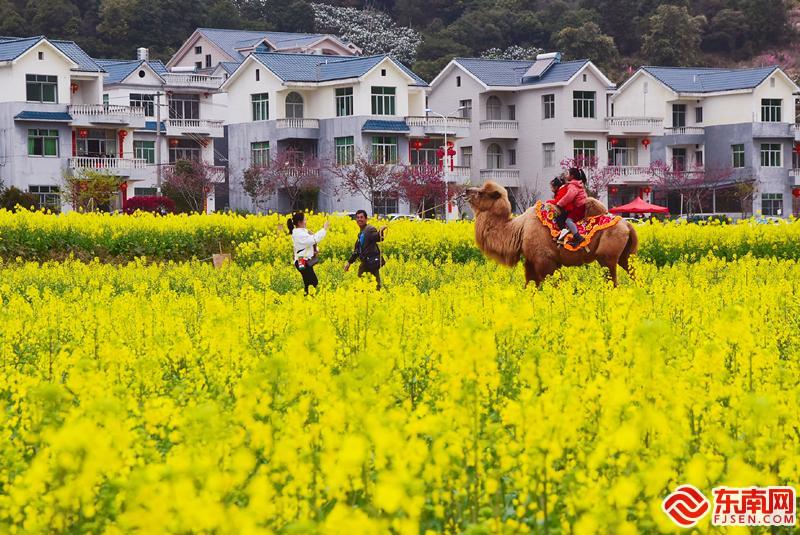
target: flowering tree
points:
(371, 30)
(366, 177)
(255, 184)
(525, 196)
(420, 184)
(90, 190)
(291, 174)
(692, 184)
(189, 183)
(512, 52)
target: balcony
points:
(114, 166)
(629, 173)
(499, 129)
(199, 81)
(796, 131)
(684, 135)
(194, 127)
(299, 128)
(101, 114)
(795, 176)
(618, 126)
(457, 127)
(459, 174)
(685, 131)
(504, 177)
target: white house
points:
(524, 117)
(732, 126)
(331, 108)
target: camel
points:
(507, 239)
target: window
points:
(466, 108)
(458, 81)
(738, 156)
(97, 144)
(384, 204)
(384, 149)
(105, 100)
(466, 156)
(770, 155)
(198, 65)
(137, 100)
(698, 115)
(772, 204)
(42, 142)
(549, 105)
(585, 78)
(698, 158)
(679, 159)
(423, 151)
(344, 101)
(512, 156)
(258, 75)
(259, 153)
(41, 88)
(345, 150)
(41, 56)
(548, 155)
(583, 104)
(624, 153)
(186, 149)
(184, 106)
(260, 106)
(198, 50)
(145, 150)
(294, 106)
(383, 99)
(208, 60)
(678, 115)
(494, 157)
(142, 74)
(771, 110)
(512, 112)
(585, 151)
(383, 72)
(46, 197)
(145, 192)
(493, 109)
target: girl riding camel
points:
(572, 206)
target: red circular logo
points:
(686, 506)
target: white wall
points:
(239, 91)
(189, 58)
(12, 79)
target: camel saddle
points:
(588, 227)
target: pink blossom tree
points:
(366, 178)
(421, 184)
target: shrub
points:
(13, 197)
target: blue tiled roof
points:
(314, 68)
(229, 66)
(501, 72)
(44, 116)
(119, 69)
(230, 40)
(376, 125)
(13, 47)
(151, 125)
(702, 80)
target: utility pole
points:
(158, 142)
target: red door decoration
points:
(646, 143)
(123, 187)
(796, 192)
(122, 135)
(613, 190)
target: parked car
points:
(351, 215)
(407, 217)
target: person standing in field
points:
(305, 247)
(366, 249)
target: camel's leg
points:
(625, 263)
(530, 273)
(543, 269)
(611, 265)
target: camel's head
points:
(491, 198)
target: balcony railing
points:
(298, 123)
(112, 164)
(628, 170)
(98, 110)
(458, 172)
(685, 130)
(636, 123)
(439, 122)
(499, 125)
(503, 176)
(194, 123)
(193, 80)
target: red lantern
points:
(613, 190)
(173, 142)
(440, 153)
(123, 187)
(416, 144)
(614, 141)
(74, 87)
(796, 192)
(646, 143)
(797, 148)
(646, 190)
(450, 143)
(83, 133)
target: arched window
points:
(494, 157)
(493, 109)
(294, 106)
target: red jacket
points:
(559, 194)
(574, 201)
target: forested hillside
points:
(617, 34)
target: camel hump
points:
(595, 207)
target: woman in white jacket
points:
(305, 247)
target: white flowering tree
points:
(371, 30)
(512, 52)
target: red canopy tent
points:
(638, 206)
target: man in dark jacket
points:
(366, 249)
